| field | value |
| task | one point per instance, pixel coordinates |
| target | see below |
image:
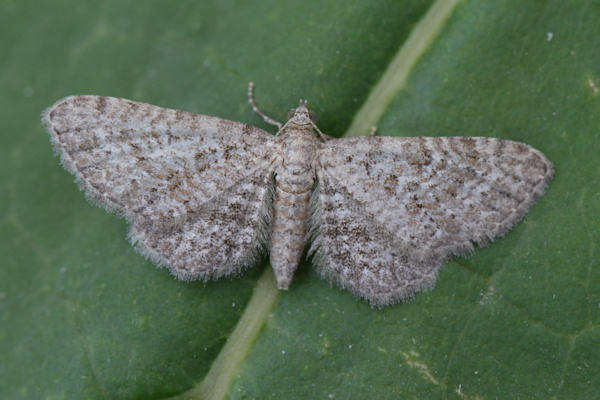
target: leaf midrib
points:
(218, 380)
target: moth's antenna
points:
(256, 110)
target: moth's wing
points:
(223, 236)
(200, 180)
(388, 211)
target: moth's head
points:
(301, 115)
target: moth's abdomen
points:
(294, 184)
(290, 223)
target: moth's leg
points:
(373, 131)
(256, 110)
(323, 136)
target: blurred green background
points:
(84, 316)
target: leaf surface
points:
(84, 316)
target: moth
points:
(207, 197)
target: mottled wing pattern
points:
(388, 211)
(220, 238)
(178, 177)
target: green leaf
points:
(82, 315)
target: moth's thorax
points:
(299, 142)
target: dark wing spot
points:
(101, 105)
